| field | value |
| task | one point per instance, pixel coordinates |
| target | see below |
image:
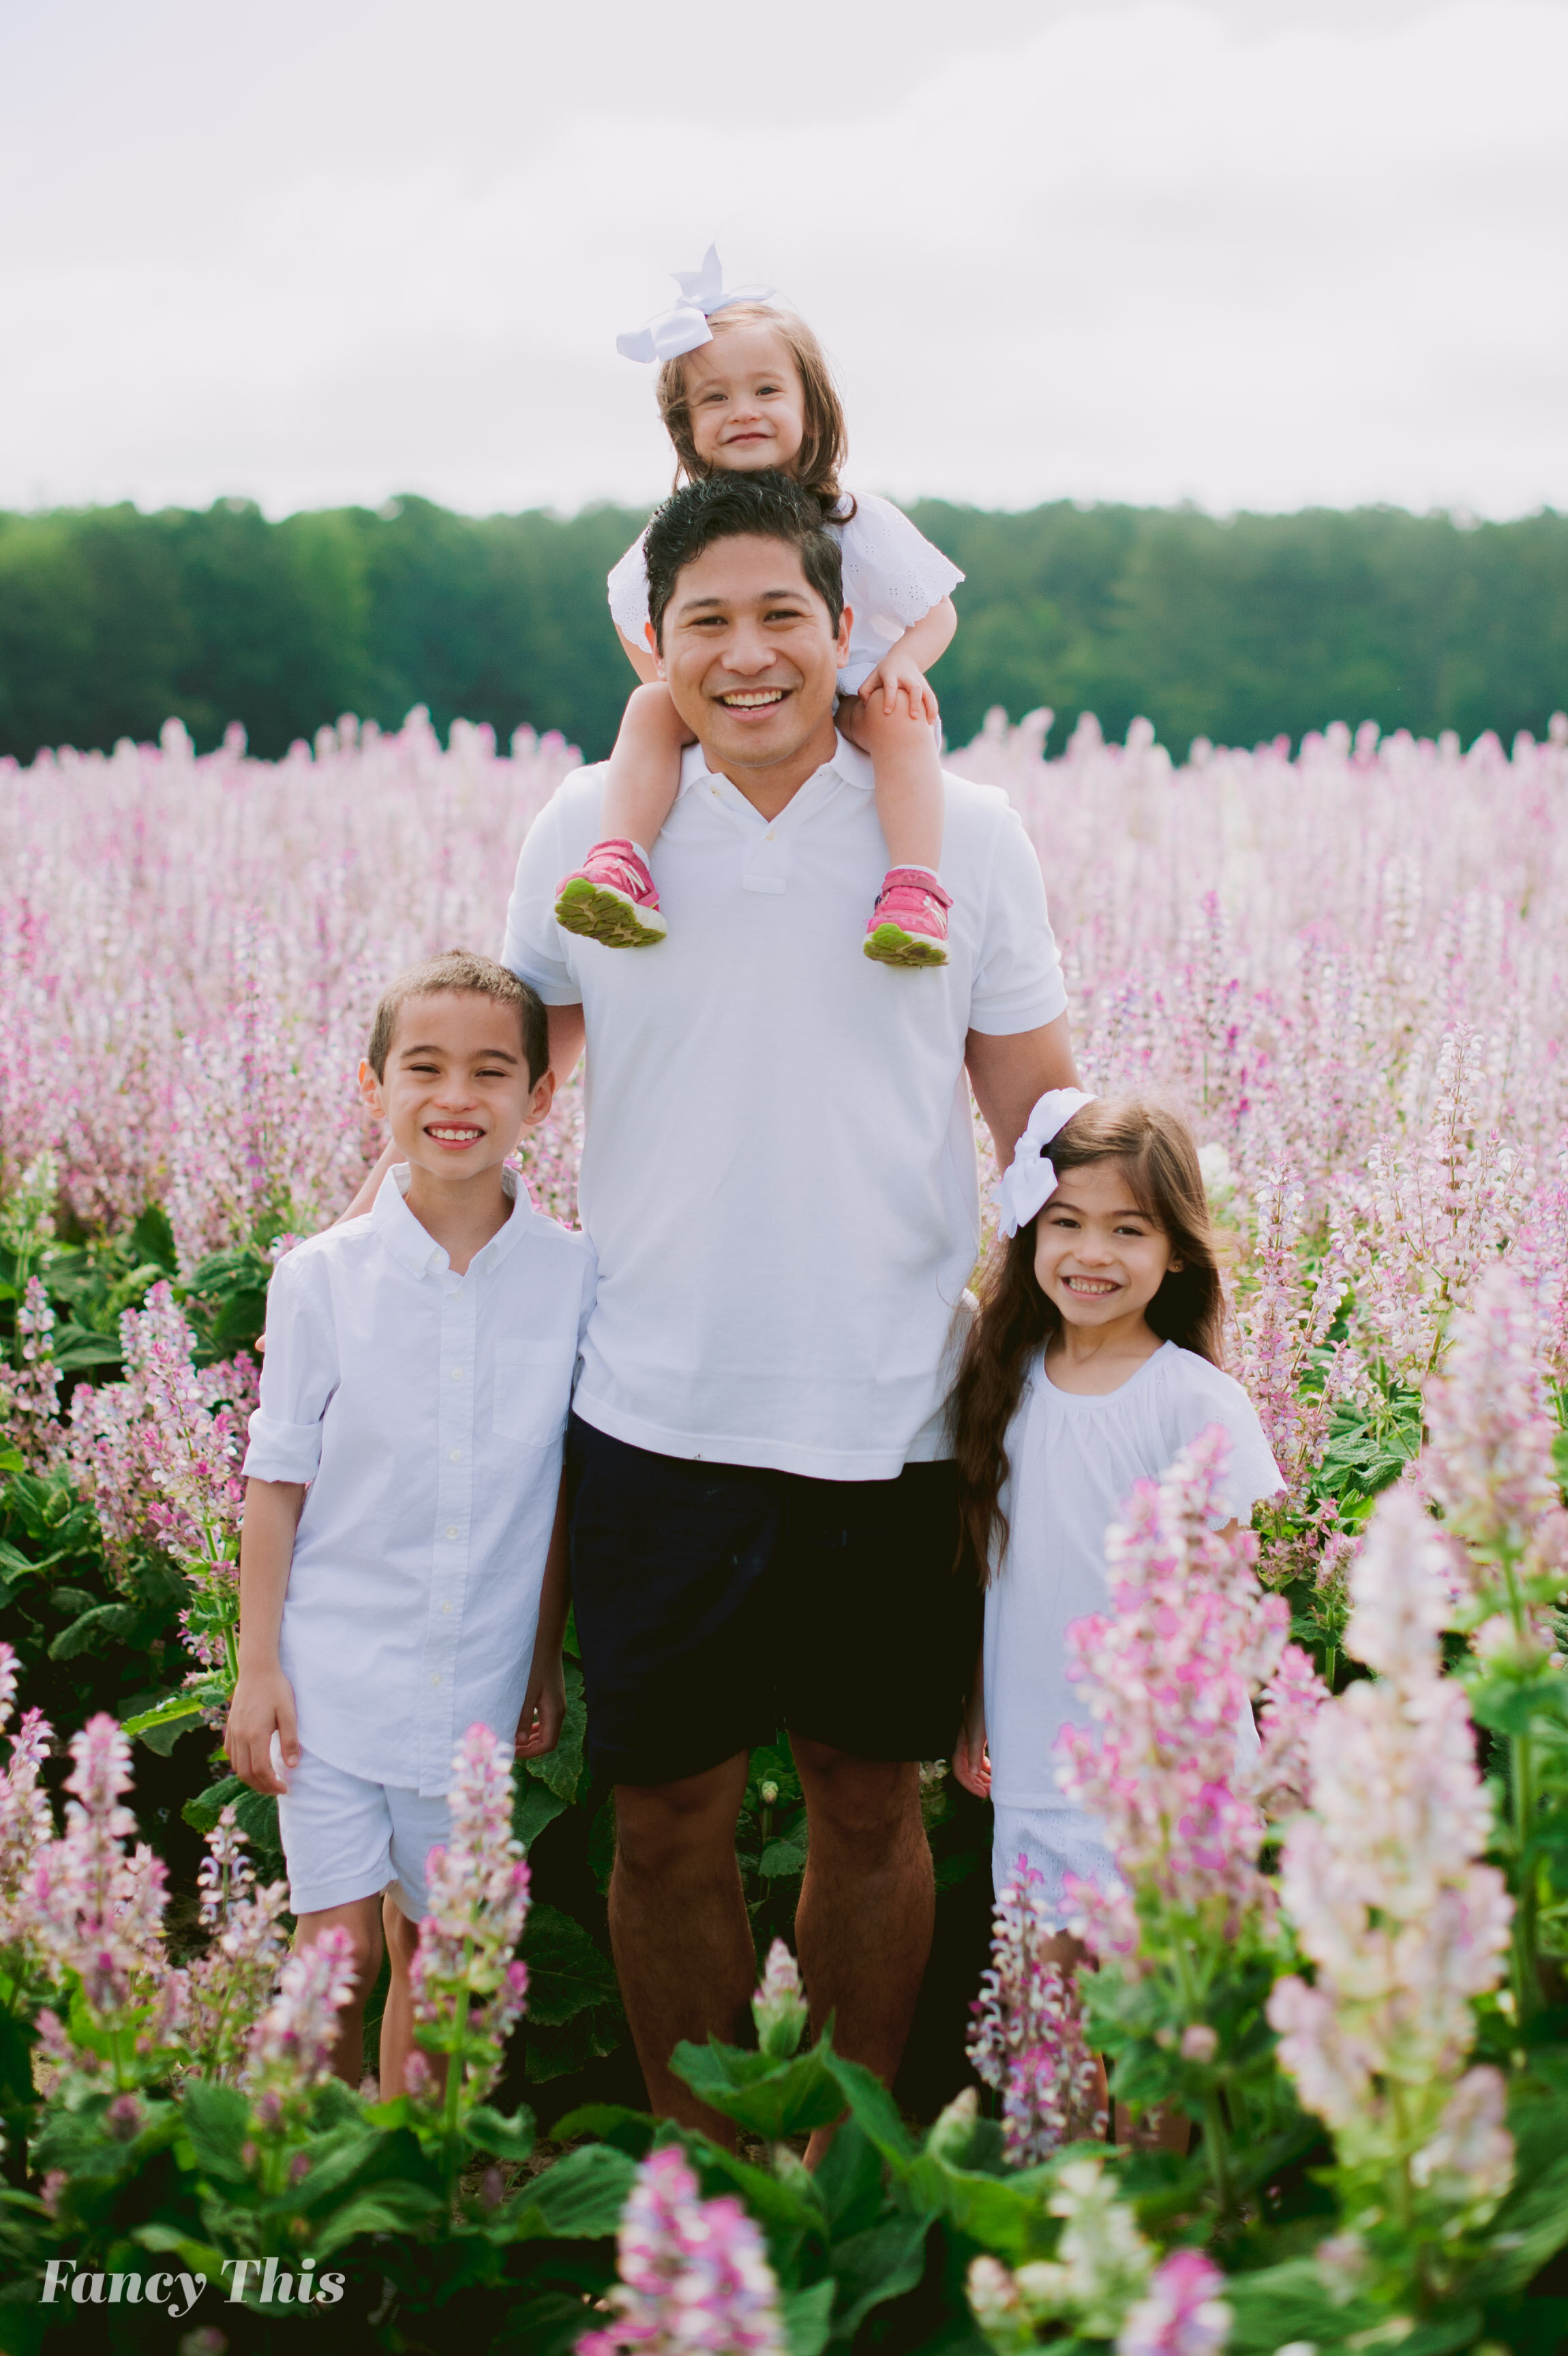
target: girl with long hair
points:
(744, 385)
(1094, 1360)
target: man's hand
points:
(543, 1712)
(898, 675)
(262, 1706)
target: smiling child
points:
(1094, 1361)
(402, 1565)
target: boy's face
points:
(456, 1095)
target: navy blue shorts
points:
(717, 1602)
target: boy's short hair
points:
(463, 970)
(763, 506)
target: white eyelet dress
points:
(1075, 1461)
(892, 578)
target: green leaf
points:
(255, 1812)
(581, 2198)
(174, 1709)
(808, 2317)
(566, 1973)
(629, 2131)
(503, 2138)
(533, 1806)
(1508, 1706)
(781, 1859)
(561, 1770)
(152, 1239)
(871, 2269)
(874, 2110)
(103, 1620)
(550, 2324)
(850, 2180)
(390, 2208)
(1279, 2304)
(772, 2098)
(216, 2120)
(1533, 2225)
(1456, 2327)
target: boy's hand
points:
(262, 1706)
(895, 676)
(544, 1712)
(971, 1761)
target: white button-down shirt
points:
(426, 1410)
(778, 1173)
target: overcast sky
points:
(1250, 253)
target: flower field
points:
(1348, 1971)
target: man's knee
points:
(866, 1802)
(665, 1830)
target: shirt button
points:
(457, 1374)
(456, 1454)
(451, 1529)
(447, 1606)
(435, 1679)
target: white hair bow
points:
(685, 324)
(1030, 1179)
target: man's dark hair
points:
(763, 506)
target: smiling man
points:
(778, 1179)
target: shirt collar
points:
(854, 767)
(413, 1248)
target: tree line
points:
(112, 621)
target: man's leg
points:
(678, 1927)
(863, 1928)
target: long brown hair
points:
(1156, 1151)
(824, 444)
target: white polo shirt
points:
(426, 1410)
(778, 1173)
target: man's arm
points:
(1010, 1072)
(566, 1029)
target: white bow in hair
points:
(685, 324)
(1030, 1179)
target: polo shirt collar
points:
(418, 1251)
(852, 767)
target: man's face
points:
(750, 653)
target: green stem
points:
(1330, 1664)
(1526, 1913)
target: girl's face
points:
(746, 403)
(1098, 1257)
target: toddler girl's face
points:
(1098, 1256)
(746, 403)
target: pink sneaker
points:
(611, 898)
(909, 923)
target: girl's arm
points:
(263, 1698)
(970, 1762)
(646, 665)
(903, 667)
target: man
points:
(778, 1179)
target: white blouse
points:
(892, 578)
(1075, 1461)
(427, 1411)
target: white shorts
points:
(345, 1839)
(1056, 1842)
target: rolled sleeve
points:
(282, 1452)
(299, 1372)
(534, 948)
(1018, 983)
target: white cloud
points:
(1252, 252)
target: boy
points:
(403, 1568)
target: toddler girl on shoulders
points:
(744, 385)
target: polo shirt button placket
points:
(444, 1625)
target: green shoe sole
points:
(891, 945)
(605, 918)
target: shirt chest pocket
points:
(533, 1389)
